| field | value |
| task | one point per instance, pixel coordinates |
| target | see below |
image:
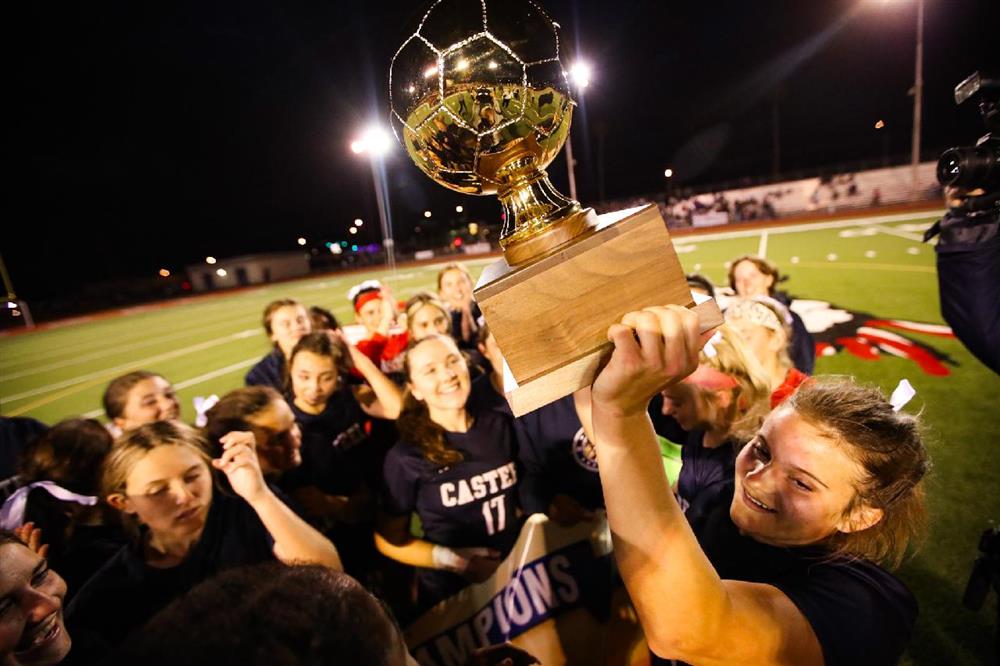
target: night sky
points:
(152, 134)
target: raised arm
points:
(295, 541)
(686, 610)
(381, 398)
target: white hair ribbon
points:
(201, 407)
(709, 347)
(12, 512)
(358, 288)
(903, 394)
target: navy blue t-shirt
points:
(861, 614)
(333, 446)
(126, 592)
(483, 395)
(472, 503)
(269, 371)
(558, 458)
(703, 470)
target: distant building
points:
(248, 270)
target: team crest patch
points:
(584, 452)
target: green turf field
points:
(877, 265)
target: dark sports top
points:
(471, 503)
(333, 446)
(483, 396)
(558, 458)
(125, 593)
(456, 327)
(269, 371)
(861, 614)
(703, 470)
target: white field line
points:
(194, 381)
(55, 348)
(110, 372)
(762, 245)
(149, 342)
(902, 234)
(807, 226)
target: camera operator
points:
(968, 250)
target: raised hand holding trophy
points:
(481, 103)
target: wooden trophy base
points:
(550, 317)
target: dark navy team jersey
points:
(558, 458)
(483, 395)
(333, 446)
(473, 502)
(703, 470)
(456, 328)
(127, 592)
(861, 614)
(665, 426)
(269, 371)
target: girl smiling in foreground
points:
(782, 570)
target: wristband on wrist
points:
(446, 558)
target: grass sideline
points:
(206, 345)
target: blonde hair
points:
(417, 302)
(737, 307)
(750, 405)
(888, 444)
(133, 446)
(454, 266)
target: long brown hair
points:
(234, 411)
(116, 394)
(414, 422)
(889, 447)
(321, 344)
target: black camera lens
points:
(969, 167)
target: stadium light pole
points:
(13, 302)
(918, 92)
(375, 143)
(579, 78)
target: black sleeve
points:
(535, 494)
(862, 616)
(803, 346)
(400, 483)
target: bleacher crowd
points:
(366, 473)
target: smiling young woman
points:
(31, 607)
(782, 570)
(456, 469)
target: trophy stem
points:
(538, 219)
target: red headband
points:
(364, 298)
(709, 378)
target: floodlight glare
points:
(580, 73)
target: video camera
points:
(976, 167)
(968, 247)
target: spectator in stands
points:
(139, 397)
(262, 411)
(375, 309)
(267, 615)
(426, 315)
(766, 325)
(749, 276)
(455, 290)
(322, 319)
(285, 322)
(782, 569)
(32, 630)
(59, 474)
(333, 485)
(445, 452)
(160, 478)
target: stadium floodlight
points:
(209, 260)
(579, 74)
(358, 222)
(375, 143)
(164, 272)
(427, 214)
(222, 272)
(669, 173)
(352, 230)
(301, 241)
(459, 209)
